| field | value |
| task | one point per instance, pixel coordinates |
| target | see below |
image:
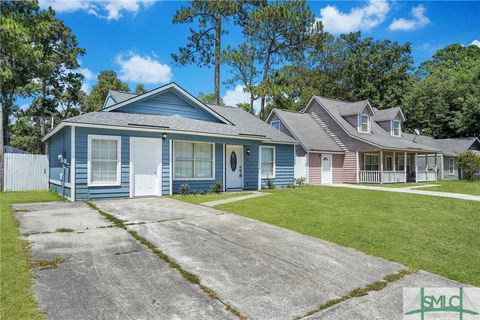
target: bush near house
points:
(217, 187)
(470, 164)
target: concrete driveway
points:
(264, 271)
(105, 273)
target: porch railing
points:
(369, 176)
(426, 176)
(393, 176)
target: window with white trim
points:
(396, 128)
(193, 160)
(364, 123)
(451, 166)
(371, 162)
(104, 160)
(267, 162)
(276, 124)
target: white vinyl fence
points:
(25, 172)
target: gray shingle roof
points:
(307, 131)
(386, 114)
(120, 96)
(244, 123)
(449, 147)
(378, 135)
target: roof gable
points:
(388, 114)
(168, 100)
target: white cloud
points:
(107, 9)
(89, 76)
(237, 95)
(136, 68)
(475, 43)
(419, 20)
(359, 18)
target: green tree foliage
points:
(140, 89)
(280, 32)
(106, 80)
(470, 164)
(18, 56)
(246, 106)
(209, 98)
(445, 99)
(205, 42)
(26, 134)
(349, 68)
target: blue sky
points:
(136, 38)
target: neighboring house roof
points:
(8, 149)
(378, 136)
(310, 135)
(388, 114)
(449, 147)
(244, 124)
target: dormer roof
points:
(388, 114)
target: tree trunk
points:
(252, 110)
(266, 66)
(218, 35)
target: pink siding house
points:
(353, 142)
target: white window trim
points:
(119, 161)
(194, 179)
(359, 124)
(392, 131)
(451, 166)
(276, 122)
(274, 162)
(365, 161)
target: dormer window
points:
(276, 124)
(364, 123)
(396, 129)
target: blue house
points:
(150, 144)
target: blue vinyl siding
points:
(284, 164)
(59, 144)
(169, 104)
(58, 189)
(250, 178)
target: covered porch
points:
(386, 166)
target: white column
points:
(72, 166)
(358, 166)
(224, 164)
(416, 168)
(170, 166)
(405, 165)
(394, 168)
(381, 166)
(259, 169)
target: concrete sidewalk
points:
(255, 194)
(410, 190)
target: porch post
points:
(416, 168)
(405, 165)
(436, 168)
(381, 166)
(358, 167)
(394, 168)
(259, 168)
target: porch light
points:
(248, 151)
(164, 136)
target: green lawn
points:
(457, 186)
(200, 198)
(16, 295)
(431, 233)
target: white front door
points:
(145, 166)
(326, 168)
(234, 166)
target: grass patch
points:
(457, 186)
(436, 234)
(64, 230)
(47, 264)
(16, 294)
(200, 198)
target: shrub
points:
(270, 184)
(184, 189)
(217, 187)
(470, 164)
(300, 181)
